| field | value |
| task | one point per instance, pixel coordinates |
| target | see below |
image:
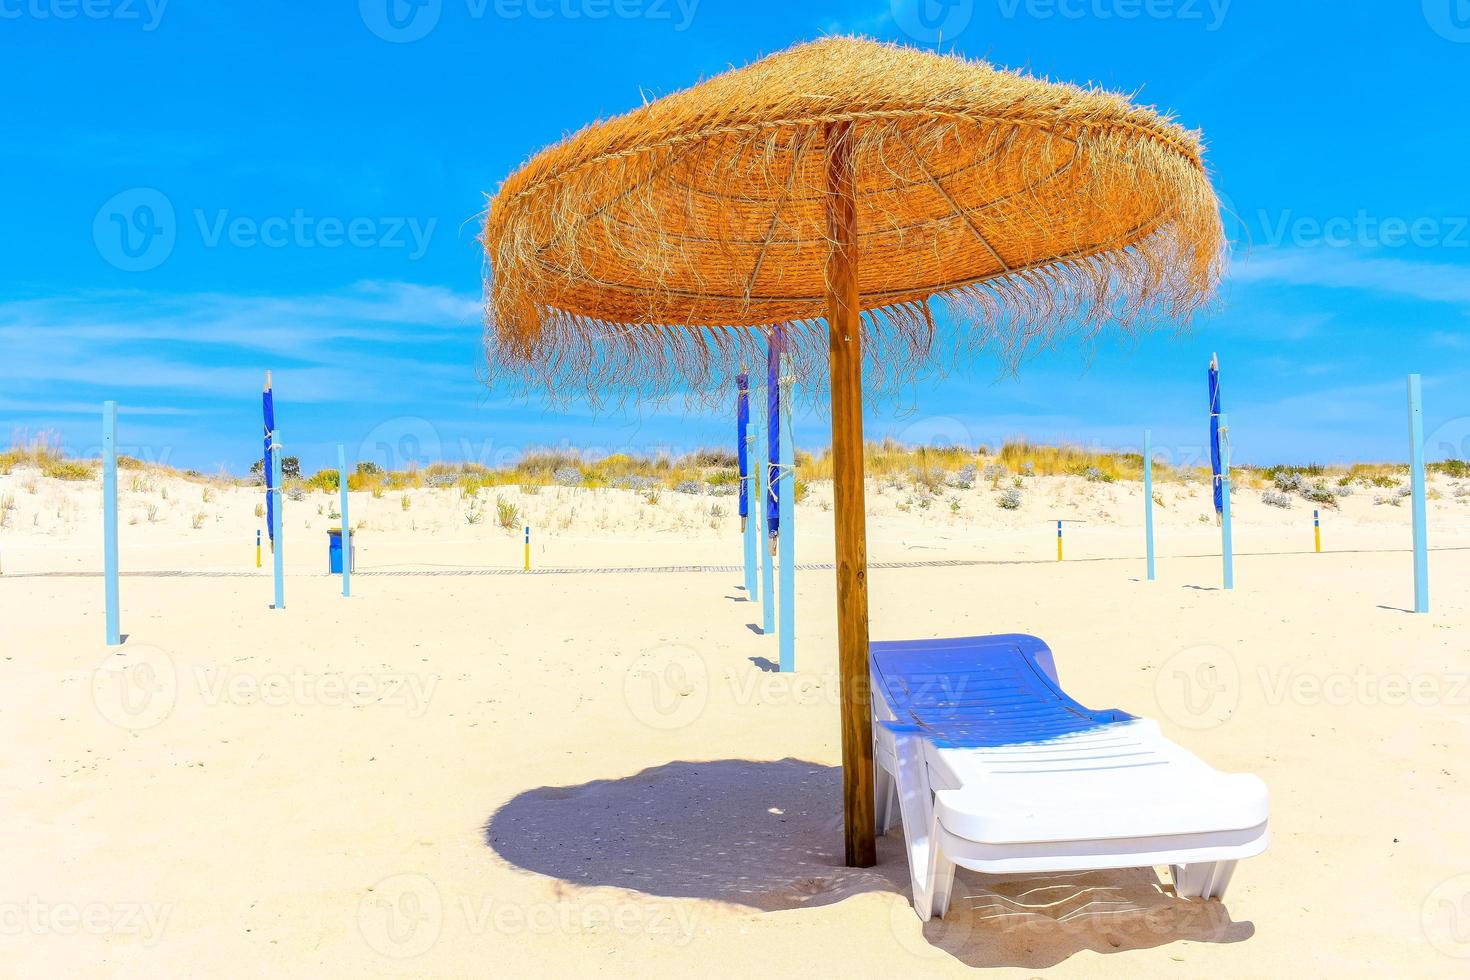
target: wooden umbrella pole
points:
(844, 324)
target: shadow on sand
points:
(767, 836)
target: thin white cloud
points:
(374, 340)
(1454, 341)
(90, 408)
(876, 23)
(373, 312)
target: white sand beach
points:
(599, 773)
(529, 299)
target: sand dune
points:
(528, 775)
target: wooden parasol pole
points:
(844, 323)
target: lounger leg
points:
(920, 832)
(885, 800)
(883, 792)
(1204, 881)
(943, 876)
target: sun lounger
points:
(992, 767)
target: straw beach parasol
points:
(837, 193)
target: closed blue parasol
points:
(268, 406)
(742, 430)
(773, 436)
(1214, 378)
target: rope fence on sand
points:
(688, 569)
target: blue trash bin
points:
(334, 551)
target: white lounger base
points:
(1201, 863)
(910, 772)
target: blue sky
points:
(198, 192)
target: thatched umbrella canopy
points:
(839, 189)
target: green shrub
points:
(327, 480)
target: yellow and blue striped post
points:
(1059, 540)
(1317, 529)
(786, 542)
(346, 524)
(257, 547)
(279, 543)
(528, 547)
(1148, 498)
(1417, 483)
(1227, 541)
(109, 521)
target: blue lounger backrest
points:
(980, 691)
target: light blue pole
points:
(1416, 478)
(346, 525)
(1148, 498)
(757, 491)
(768, 560)
(1227, 543)
(752, 522)
(280, 542)
(787, 540)
(109, 520)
